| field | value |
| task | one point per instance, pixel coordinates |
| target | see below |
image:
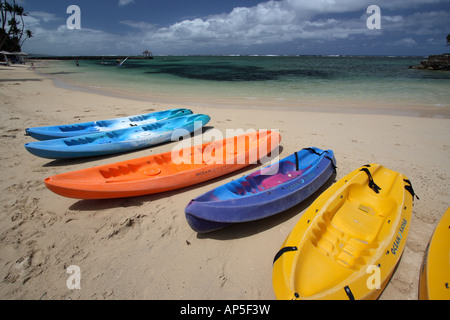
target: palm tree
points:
(11, 39)
(29, 34)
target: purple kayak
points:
(259, 195)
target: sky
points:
(237, 27)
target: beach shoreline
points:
(322, 106)
(142, 247)
(358, 104)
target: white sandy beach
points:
(142, 247)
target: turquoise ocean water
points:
(280, 79)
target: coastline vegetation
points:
(12, 27)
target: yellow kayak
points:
(349, 241)
(434, 281)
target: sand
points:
(142, 247)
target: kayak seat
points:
(152, 126)
(71, 128)
(357, 223)
(163, 159)
(339, 246)
(119, 171)
(286, 172)
(112, 134)
(236, 188)
(102, 123)
(137, 118)
(249, 186)
(347, 232)
(79, 141)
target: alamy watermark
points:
(374, 280)
(74, 21)
(237, 146)
(374, 21)
(74, 280)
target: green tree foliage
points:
(12, 26)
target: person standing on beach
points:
(76, 63)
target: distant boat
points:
(104, 62)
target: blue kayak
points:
(117, 141)
(260, 195)
(78, 129)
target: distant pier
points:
(90, 57)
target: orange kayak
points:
(166, 171)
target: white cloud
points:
(406, 42)
(37, 18)
(270, 23)
(63, 41)
(417, 23)
(123, 3)
(144, 26)
(308, 8)
(42, 16)
(275, 22)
